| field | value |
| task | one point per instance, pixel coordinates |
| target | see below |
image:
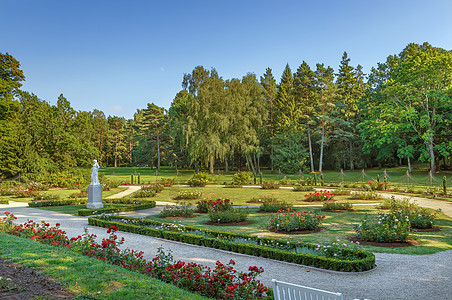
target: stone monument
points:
(94, 189)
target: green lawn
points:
(395, 175)
(87, 276)
(338, 226)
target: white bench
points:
(288, 291)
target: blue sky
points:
(117, 56)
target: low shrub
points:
(284, 181)
(44, 203)
(241, 178)
(37, 186)
(295, 221)
(46, 196)
(4, 201)
(199, 180)
(188, 195)
(89, 212)
(270, 185)
(26, 193)
(341, 192)
(177, 211)
(233, 185)
(420, 218)
(337, 206)
(166, 182)
(204, 206)
(387, 228)
(156, 187)
(262, 199)
(232, 215)
(370, 195)
(82, 194)
(375, 185)
(392, 203)
(7, 191)
(302, 188)
(274, 206)
(144, 192)
(319, 196)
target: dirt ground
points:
(19, 282)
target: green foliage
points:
(274, 206)
(393, 204)
(302, 188)
(241, 178)
(46, 196)
(144, 192)
(370, 195)
(420, 218)
(319, 196)
(205, 206)
(289, 154)
(199, 180)
(89, 212)
(337, 206)
(270, 185)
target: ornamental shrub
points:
(46, 196)
(302, 188)
(295, 221)
(319, 196)
(188, 195)
(156, 187)
(232, 215)
(420, 218)
(144, 192)
(274, 206)
(166, 182)
(337, 206)
(387, 228)
(177, 211)
(241, 178)
(375, 185)
(199, 180)
(392, 203)
(270, 185)
(204, 206)
(342, 192)
(370, 195)
(26, 193)
(262, 199)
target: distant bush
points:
(205, 206)
(199, 180)
(270, 185)
(274, 206)
(46, 196)
(189, 195)
(166, 182)
(337, 206)
(319, 196)
(387, 228)
(232, 215)
(241, 178)
(177, 211)
(370, 195)
(302, 188)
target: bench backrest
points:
(288, 291)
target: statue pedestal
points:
(94, 196)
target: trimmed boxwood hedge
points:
(84, 201)
(365, 261)
(89, 212)
(4, 201)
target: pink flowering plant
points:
(288, 220)
(204, 206)
(322, 195)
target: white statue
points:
(94, 179)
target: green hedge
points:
(89, 212)
(4, 201)
(365, 261)
(84, 201)
(57, 202)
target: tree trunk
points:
(211, 165)
(409, 164)
(226, 166)
(432, 155)
(321, 154)
(158, 150)
(352, 166)
(310, 151)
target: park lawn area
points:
(396, 175)
(240, 196)
(82, 275)
(64, 193)
(337, 225)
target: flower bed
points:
(262, 199)
(231, 215)
(89, 212)
(144, 192)
(319, 196)
(288, 220)
(386, 229)
(188, 195)
(177, 211)
(199, 180)
(204, 206)
(353, 260)
(46, 196)
(302, 188)
(270, 185)
(370, 195)
(274, 206)
(166, 182)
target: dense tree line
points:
(314, 119)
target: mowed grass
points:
(337, 225)
(87, 276)
(419, 175)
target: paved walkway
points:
(396, 277)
